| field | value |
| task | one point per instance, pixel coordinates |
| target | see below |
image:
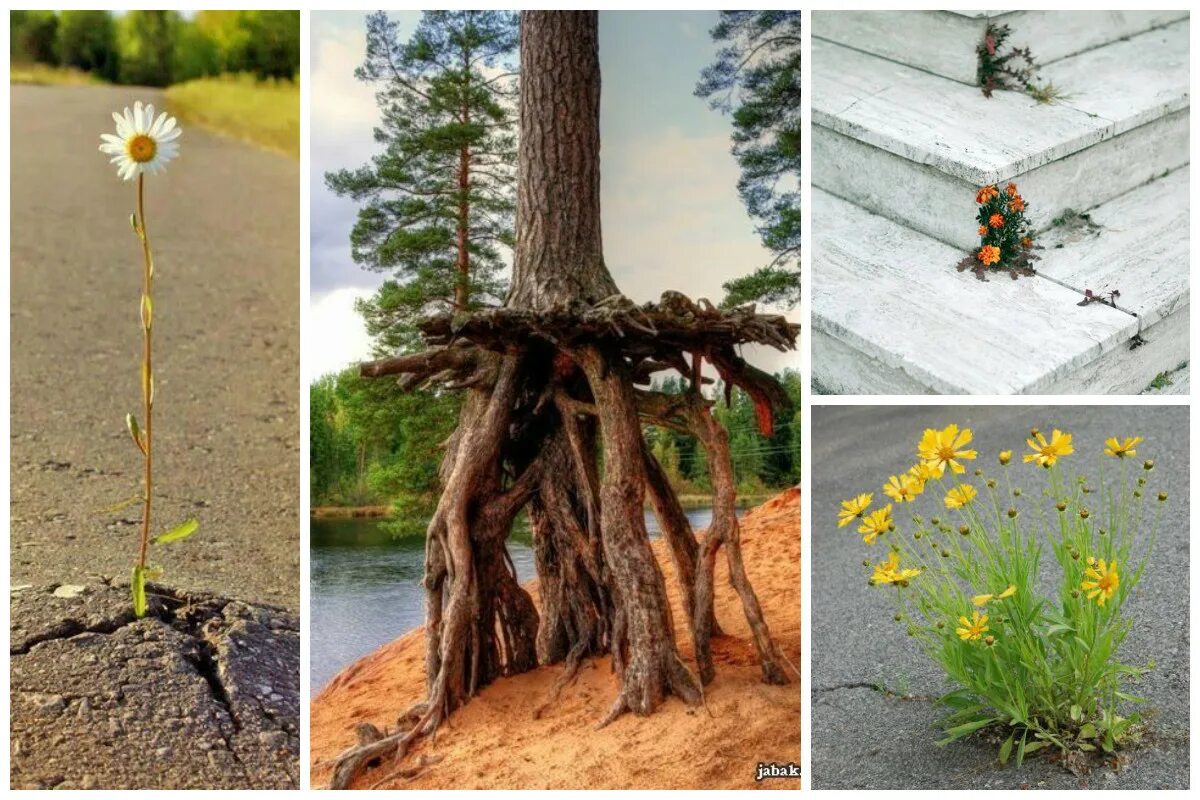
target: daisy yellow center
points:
(142, 148)
(1107, 583)
(946, 453)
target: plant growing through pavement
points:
(143, 145)
(1043, 670)
(1014, 68)
(1004, 238)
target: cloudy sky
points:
(671, 215)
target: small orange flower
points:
(982, 230)
(1011, 189)
(986, 193)
(990, 254)
(1016, 204)
(996, 221)
(1027, 242)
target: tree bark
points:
(559, 256)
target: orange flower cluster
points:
(1002, 226)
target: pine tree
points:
(756, 79)
(438, 201)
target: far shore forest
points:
(373, 444)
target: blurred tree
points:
(87, 41)
(33, 36)
(146, 45)
(756, 79)
(438, 201)
(195, 53)
(272, 44)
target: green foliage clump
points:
(756, 79)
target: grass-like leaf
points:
(181, 531)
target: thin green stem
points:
(147, 372)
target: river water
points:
(366, 587)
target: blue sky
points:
(671, 215)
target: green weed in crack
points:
(1012, 68)
(1042, 671)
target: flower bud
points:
(978, 472)
(1148, 465)
(991, 484)
(940, 625)
(935, 521)
(989, 640)
(1162, 497)
(898, 618)
(1084, 513)
(964, 530)
(1060, 505)
(1075, 594)
(866, 563)
(1137, 492)
(1017, 492)
(1004, 457)
(1012, 513)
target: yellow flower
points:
(1005, 456)
(1101, 581)
(876, 524)
(921, 472)
(1047, 453)
(852, 509)
(939, 448)
(984, 599)
(982, 230)
(903, 488)
(959, 496)
(889, 572)
(972, 628)
(1122, 449)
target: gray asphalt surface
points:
(862, 738)
(202, 693)
(224, 223)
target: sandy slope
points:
(494, 743)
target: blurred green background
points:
(215, 65)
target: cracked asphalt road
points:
(202, 693)
(224, 223)
(863, 739)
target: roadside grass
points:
(46, 75)
(265, 113)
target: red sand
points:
(493, 742)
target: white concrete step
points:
(945, 42)
(915, 147)
(891, 315)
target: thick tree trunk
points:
(559, 256)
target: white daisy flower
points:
(143, 144)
